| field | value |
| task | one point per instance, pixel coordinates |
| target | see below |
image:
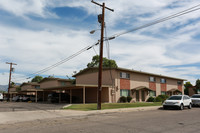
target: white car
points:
(1, 97)
(178, 101)
(195, 99)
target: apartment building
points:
(125, 82)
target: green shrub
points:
(151, 99)
(123, 99)
(128, 99)
(158, 99)
(163, 97)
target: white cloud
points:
(24, 7)
(34, 50)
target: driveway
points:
(25, 106)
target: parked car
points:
(26, 98)
(54, 98)
(178, 101)
(1, 97)
(32, 98)
(16, 99)
(5, 98)
(195, 100)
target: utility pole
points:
(9, 84)
(101, 20)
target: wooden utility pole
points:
(9, 84)
(101, 20)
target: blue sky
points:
(36, 34)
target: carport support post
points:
(43, 95)
(70, 96)
(83, 94)
(59, 96)
(36, 96)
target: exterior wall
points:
(91, 77)
(139, 80)
(49, 83)
(158, 86)
(26, 86)
(172, 84)
(152, 86)
(191, 91)
(60, 83)
(12, 89)
(180, 87)
(125, 84)
(91, 95)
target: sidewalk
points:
(22, 116)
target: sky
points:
(36, 34)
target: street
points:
(154, 121)
(25, 106)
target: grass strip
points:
(87, 107)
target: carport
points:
(33, 92)
(85, 93)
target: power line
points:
(189, 10)
(192, 9)
(62, 61)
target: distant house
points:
(54, 82)
(13, 91)
(192, 90)
(125, 82)
(30, 87)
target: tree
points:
(37, 79)
(12, 84)
(18, 88)
(187, 85)
(197, 85)
(106, 62)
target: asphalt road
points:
(158, 121)
(25, 106)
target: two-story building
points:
(125, 82)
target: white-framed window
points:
(124, 75)
(152, 93)
(124, 92)
(152, 79)
(179, 82)
(162, 80)
(163, 93)
(37, 87)
(63, 83)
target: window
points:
(37, 87)
(162, 80)
(175, 98)
(124, 75)
(152, 93)
(163, 93)
(186, 97)
(63, 83)
(125, 93)
(198, 91)
(179, 82)
(152, 79)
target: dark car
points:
(64, 97)
(33, 99)
(26, 98)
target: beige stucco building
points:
(125, 82)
